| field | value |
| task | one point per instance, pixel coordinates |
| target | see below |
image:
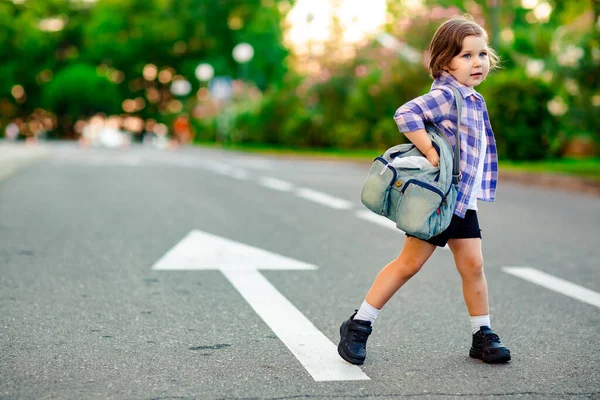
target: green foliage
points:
(577, 79)
(349, 105)
(122, 36)
(125, 34)
(277, 110)
(266, 37)
(246, 123)
(78, 91)
(384, 134)
(345, 111)
(206, 129)
(517, 106)
(533, 41)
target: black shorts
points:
(459, 228)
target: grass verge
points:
(585, 168)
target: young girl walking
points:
(460, 57)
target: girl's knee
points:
(472, 266)
(409, 265)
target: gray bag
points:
(420, 201)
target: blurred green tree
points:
(79, 91)
(38, 40)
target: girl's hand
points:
(432, 156)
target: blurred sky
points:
(358, 18)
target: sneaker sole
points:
(490, 358)
(342, 353)
(351, 360)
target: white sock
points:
(479, 321)
(367, 313)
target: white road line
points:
(275, 184)
(226, 170)
(252, 163)
(238, 174)
(220, 169)
(382, 221)
(556, 284)
(324, 199)
(377, 219)
(314, 350)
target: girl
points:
(460, 57)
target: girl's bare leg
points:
(469, 262)
(391, 278)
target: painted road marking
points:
(227, 170)
(556, 284)
(239, 174)
(324, 199)
(382, 221)
(240, 263)
(275, 184)
(252, 163)
(377, 219)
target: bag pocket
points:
(376, 188)
(417, 203)
(441, 219)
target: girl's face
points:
(471, 66)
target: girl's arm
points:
(422, 141)
(411, 117)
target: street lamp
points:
(204, 72)
(242, 54)
(181, 87)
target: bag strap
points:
(456, 175)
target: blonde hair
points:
(447, 43)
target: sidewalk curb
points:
(555, 181)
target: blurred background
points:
(303, 74)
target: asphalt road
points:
(83, 314)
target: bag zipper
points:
(399, 153)
(388, 166)
(426, 186)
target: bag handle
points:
(456, 175)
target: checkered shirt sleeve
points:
(431, 107)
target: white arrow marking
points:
(556, 284)
(240, 264)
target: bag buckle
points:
(457, 178)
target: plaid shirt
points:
(438, 107)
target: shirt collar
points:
(446, 79)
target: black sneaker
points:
(353, 343)
(488, 347)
